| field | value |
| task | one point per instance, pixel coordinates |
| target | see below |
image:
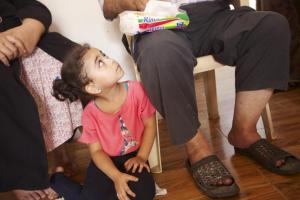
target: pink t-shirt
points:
(119, 133)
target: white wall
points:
(252, 3)
(83, 22)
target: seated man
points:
(257, 43)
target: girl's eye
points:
(100, 63)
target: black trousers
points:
(23, 162)
(98, 186)
(257, 43)
(23, 159)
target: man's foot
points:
(51, 194)
(29, 194)
(267, 155)
(198, 149)
(243, 140)
(209, 175)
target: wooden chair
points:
(205, 65)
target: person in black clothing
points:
(257, 43)
(23, 161)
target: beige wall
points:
(82, 21)
(251, 3)
(245, 2)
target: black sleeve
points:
(56, 45)
(33, 9)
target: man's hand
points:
(136, 163)
(138, 5)
(121, 186)
(112, 8)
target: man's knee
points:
(162, 50)
(156, 38)
(276, 26)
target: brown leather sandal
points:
(267, 154)
(208, 172)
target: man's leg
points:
(243, 132)
(198, 148)
(262, 66)
(166, 63)
(248, 108)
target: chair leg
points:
(155, 156)
(211, 94)
(268, 124)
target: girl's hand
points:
(121, 186)
(136, 163)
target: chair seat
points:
(206, 63)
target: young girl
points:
(118, 126)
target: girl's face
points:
(103, 71)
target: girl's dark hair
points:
(73, 79)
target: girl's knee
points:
(147, 193)
(145, 187)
